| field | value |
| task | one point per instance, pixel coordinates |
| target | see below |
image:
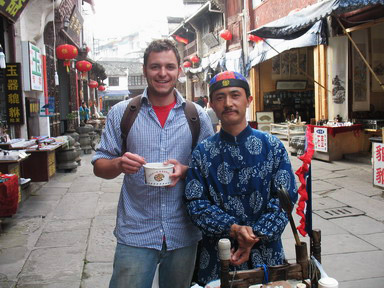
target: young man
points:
(152, 225)
(232, 183)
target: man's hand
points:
(246, 239)
(131, 163)
(179, 171)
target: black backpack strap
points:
(193, 119)
(130, 114)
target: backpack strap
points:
(193, 119)
(130, 114)
(133, 109)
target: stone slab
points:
(67, 225)
(75, 284)
(53, 265)
(77, 206)
(97, 275)
(64, 238)
(321, 203)
(357, 185)
(107, 204)
(321, 187)
(374, 283)
(373, 208)
(376, 240)
(354, 266)
(7, 284)
(359, 225)
(12, 261)
(54, 183)
(36, 208)
(102, 242)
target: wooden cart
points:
(301, 270)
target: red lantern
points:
(195, 59)
(93, 84)
(101, 88)
(226, 35)
(255, 38)
(181, 39)
(83, 66)
(187, 64)
(66, 52)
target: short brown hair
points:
(161, 45)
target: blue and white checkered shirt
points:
(146, 214)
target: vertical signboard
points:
(13, 94)
(378, 164)
(33, 72)
(35, 67)
(320, 139)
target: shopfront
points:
(344, 70)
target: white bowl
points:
(157, 174)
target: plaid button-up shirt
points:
(147, 214)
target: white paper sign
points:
(320, 139)
(36, 67)
(378, 164)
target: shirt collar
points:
(179, 99)
(241, 138)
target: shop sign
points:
(320, 139)
(13, 94)
(75, 27)
(32, 73)
(378, 164)
(33, 107)
(12, 9)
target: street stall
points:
(41, 165)
(332, 142)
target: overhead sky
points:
(115, 18)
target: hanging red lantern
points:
(255, 38)
(181, 39)
(101, 88)
(226, 35)
(195, 59)
(66, 52)
(93, 84)
(187, 64)
(83, 66)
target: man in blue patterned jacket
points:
(232, 183)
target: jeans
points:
(135, 267)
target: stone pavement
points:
(62, 236)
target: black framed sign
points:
(13, 94)
(291, 84)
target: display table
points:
(288, 130)
(41, 165)
(11, 166)
(341, 140)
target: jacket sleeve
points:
(272, 223)
(201, 207)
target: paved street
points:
(62, 237)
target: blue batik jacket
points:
(233, 180)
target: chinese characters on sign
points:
(12, 8)
(320, 139)
(378, 164)
(36, 67)
(13, 93)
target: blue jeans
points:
(135, 267)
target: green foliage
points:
(72, 115)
